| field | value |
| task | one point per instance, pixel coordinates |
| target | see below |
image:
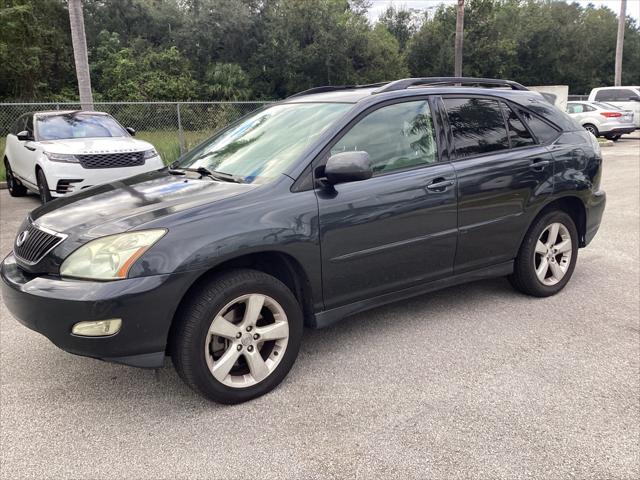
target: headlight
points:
(109, 258)
(61, 157)
(147, 154)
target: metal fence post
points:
(180, 131)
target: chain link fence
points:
(172, 127)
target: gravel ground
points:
(474, 381)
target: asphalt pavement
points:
(475, 381)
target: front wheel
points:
(238, 336)
(547, 256)
(43, 187)
(591, 129)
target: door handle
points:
(440, 185)
(539, 164)
(33, 149)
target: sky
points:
(379, 6)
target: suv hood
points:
(95, 145)
(122, 205)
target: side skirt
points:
(329, 317)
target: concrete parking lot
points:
(475, 381)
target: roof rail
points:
(331, 88)
(411, 82)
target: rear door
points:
(503, 174)
(398, 228)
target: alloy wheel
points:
(552, 255)
(246, 340)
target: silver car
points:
(602, 119)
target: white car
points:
(59, 152)
(602, 119)
(626, 98)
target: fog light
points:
(98, 328)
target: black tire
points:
(189, 334)
(615, 138)
(524, 277)
(591, 128)
(16, 189)
(43, 187)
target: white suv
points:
(59, 152)
(626, 98)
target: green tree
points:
(36, 58)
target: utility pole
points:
(459, 38)
(79, 41)
(620, 42)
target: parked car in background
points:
(331, 202)
(627, 98)
(602, 120)
(59, 152)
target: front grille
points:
(111, 160)
(35, 244)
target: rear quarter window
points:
(543, 131)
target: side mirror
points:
(24, 136)
(348, 167)
(634, 99)
(131, 131)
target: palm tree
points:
(79, 40)
(458, 42)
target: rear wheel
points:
(547, 256)
(591, 129)
(43, 186)
(238, 336)
(16, 189)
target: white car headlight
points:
(61, 157)
(109, 258)
(147, 154)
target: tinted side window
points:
(29, 126)
(396, 137)
(615, 95)
(478, 125)
(519, 136)
(18, 125)
(541, 129)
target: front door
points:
(398, 228)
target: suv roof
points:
(355, 93)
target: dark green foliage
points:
(244, 49)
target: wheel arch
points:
(573, 206)
(280, 265)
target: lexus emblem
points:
(22, 238)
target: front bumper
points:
(594, 210)
(52, 306)
(64, 178)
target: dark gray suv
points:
(331, 202)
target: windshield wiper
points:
(214, 175)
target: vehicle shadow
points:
(98, 382)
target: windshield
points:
(264, 144)
(77, 125)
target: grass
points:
(166, 142)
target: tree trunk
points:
(80, 56)
(459, 38)
(621, 23)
